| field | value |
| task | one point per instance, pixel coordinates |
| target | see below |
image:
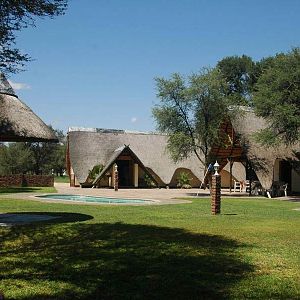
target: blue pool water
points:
(92, 199)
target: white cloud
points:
(133, 119)
(19, 86)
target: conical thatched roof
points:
(18, 123)
(5, 87)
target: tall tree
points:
(277, 98)
(18, 14)
(240, 73)
(191, 112)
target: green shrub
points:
(183, 180)
(148, 181)
(95, 172)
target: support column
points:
(230, 177)
(216, 195)
(136, 175)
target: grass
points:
(250, 251)
(61, 179)
(12, 190)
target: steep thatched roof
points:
(5, 87)
(262, 158)
(18, 122)
(118, 152)
(93, 147)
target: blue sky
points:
(95, 66)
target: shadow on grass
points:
(37, 218)
(118, 261)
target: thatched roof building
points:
(90, 147)
(147, 154)
(18, 122)
(280, 163)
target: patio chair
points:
(247, 186)
(283, 188)
(237, 186)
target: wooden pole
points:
(230, 177)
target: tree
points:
(34, 157)
(48, 156)
(191, 112)
(15, 159)
(58, 157)
(18, 14)
(277, 99)
(240, 73)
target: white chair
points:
(237, 186)
(283, 188)
(247, 186)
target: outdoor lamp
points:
(216, 167)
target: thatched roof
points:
(262, 158)
(92, 147)
(5, 87)
(18, 122)
(118, 152)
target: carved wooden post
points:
(116, 178)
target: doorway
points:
(285, 173)
(125, 168)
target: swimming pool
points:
(93, 199)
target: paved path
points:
(163, 195)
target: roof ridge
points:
(109, 130)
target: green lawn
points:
(10, 190)
(63, 179)
(251, 251)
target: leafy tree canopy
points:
(240, 73)
(15, 159)
(191, 112)
(18, 14)
(277, 98)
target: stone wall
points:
(26, 180)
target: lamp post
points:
(216, 191)
(216, 167)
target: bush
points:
(94, 172)
(184, 180)
(148, 181)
